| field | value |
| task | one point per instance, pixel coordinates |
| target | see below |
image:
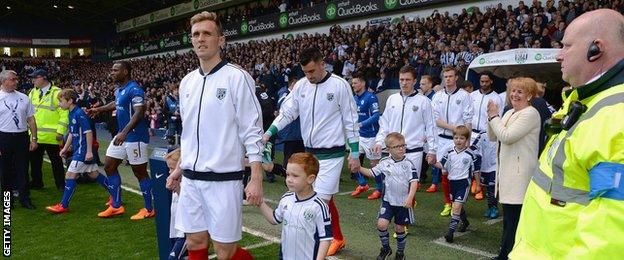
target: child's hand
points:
(173, 181)
(444, 173)
(478, 189)
(409, 203)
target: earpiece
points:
(593, 52)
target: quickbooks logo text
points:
(296, 17)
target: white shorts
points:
(326, 184)
(366, 147)
(416, 158)
(135, 152)
(444, 145)
(81, 167)
(488, 150)
(213, 206)
(173, 232)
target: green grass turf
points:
(80, 234)
(358, 218)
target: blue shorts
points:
(402, 216)
(488, 178)
(459, 190)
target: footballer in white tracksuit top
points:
(412, 116)
(485, 147)
(222, 124)
(328, 115)
(453, 108)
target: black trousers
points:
(14, 163)
(292, 147)
(511, 216)
(36, 163)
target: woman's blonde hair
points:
(528, 85)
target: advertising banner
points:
(50, 42)
(322, 13)
(166, 13)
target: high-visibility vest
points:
(50, 118)
(558, 218)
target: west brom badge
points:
(221, 92)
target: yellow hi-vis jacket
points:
(51, 119)
(574, 207)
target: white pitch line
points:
(270, 239)
(493, 221)
(343, 193)
(262, 244)
(126, 188)
(261, 234)
(459, 234)
(442, 242)
(270, 201)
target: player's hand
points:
(119, 138)
(173, 181)
(62, 153)
(431, 158)
(377, 148)
(254, 192)
(33, 145)
(93, 112)
(354, 165)
(89, 156)
(265, 138)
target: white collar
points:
(46, 88)
(595, 78)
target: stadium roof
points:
(91, 13)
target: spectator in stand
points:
(411, 41)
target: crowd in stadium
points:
(378, 51)
(429, 48)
